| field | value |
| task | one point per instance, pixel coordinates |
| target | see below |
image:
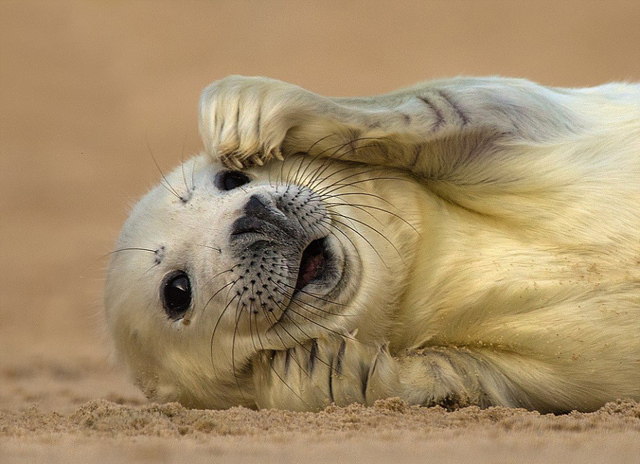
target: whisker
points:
(289, 386)
(284, 345)
(328, 223)
(219, 250)
(321, 139)
(358, 172)
(366, 194)
(119, 250)
(301, 345)
(341, 181)
(250, 313)
(318, 297)
(370, 179)
(233, 348)
(314, 157)
(184, 178)
(289, 308)
(193, 173)
(215, 328)
(300, 305)
(286, 292)
(268, 314)
(301, 160)
(363, 238)
(298, 343)
(218, 291)
(318, 181)
(287, 276)
(358, 207)
(371, 228)
(289, 184)
(166, 183)
(363, 207)
(273, 369)
(329, 160)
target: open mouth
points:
(313, 264)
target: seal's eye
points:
(176, 294)
(229, 180)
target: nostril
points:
(263, 207)
(256, 205)
(248, 224)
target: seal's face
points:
(214, 266)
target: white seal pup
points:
(463, 241)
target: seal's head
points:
(215, 265)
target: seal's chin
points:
(314, 264)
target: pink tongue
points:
(309, 269)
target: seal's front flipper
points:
(329, 370)
(430, 129)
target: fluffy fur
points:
(485, 234)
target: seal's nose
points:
(261, 215)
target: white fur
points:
(513, 278)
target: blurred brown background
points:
(85, 86)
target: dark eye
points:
(229, 180)
(176, 294)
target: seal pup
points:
(463, 241)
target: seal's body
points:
(466, 241)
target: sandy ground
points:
(87, 89)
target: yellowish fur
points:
(511, 278)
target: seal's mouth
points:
(313, 264)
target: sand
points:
(89, 88)
(389, 431)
